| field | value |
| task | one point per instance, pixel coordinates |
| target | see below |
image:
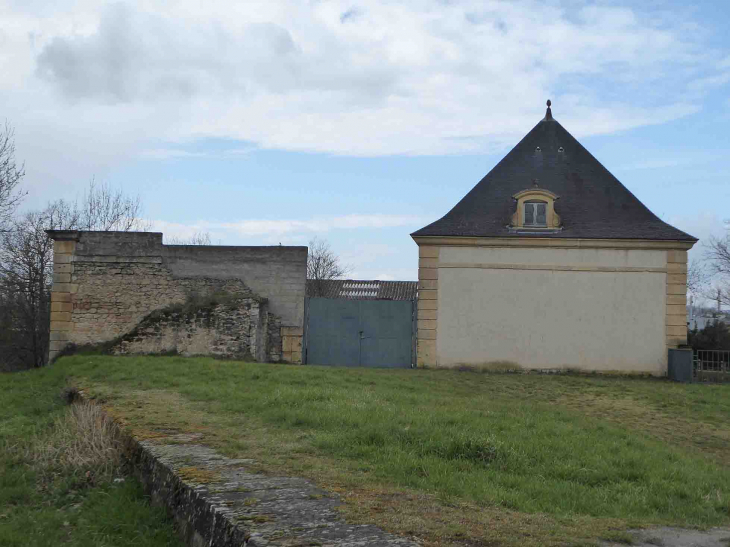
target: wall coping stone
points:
(222, 504)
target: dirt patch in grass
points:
(706, 438)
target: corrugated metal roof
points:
(356, 289)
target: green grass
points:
(451, 456)
(60, 506)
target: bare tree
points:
(198, 238)
(26, 266)
(10, 175)
(104, 208)
(26, 276)
(718, 256)
(697, 278)
(322, 265)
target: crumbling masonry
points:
(130, 290)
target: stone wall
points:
(234, 329)
(106, 283)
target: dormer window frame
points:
(536, 195)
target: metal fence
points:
(712, 364)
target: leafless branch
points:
(198, 238)
(718, 256)
(10, 175)
(322, 264)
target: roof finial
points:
(549, 113)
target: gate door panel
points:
(367, 333)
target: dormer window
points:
(536, 214)
(535, 210)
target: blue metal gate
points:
(364, 333)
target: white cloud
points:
(284, 231)
(361, 78)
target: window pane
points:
(529, 214)
(540, 215)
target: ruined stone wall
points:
(105, 283)
(235, 329)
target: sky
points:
(359, 122)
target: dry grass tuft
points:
(82, 441)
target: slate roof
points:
(592, 202)
(352, 289)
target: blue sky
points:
(360, 122)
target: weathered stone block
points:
(427, 314)
(676, 268)
(428, 284)
(677, 288)
(64, 247)
(61, 278)
(676, 299)
(428, 304)
(677, 309)
(426, 334)
(677, 257)
(61, 306)
(677, 320)
(677, 330)
(427, 294)
(57, 345)
(60, 316)
(428, 251)
(60, 297)
(428, 273)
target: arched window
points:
(535, 210)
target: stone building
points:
(128, 289)
(549, 262)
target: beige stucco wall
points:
(551, 307)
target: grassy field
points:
(456, 458)
(52, 491)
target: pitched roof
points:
(592, 202)
(353, 289)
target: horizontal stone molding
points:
(556, 268)
(553, 242)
